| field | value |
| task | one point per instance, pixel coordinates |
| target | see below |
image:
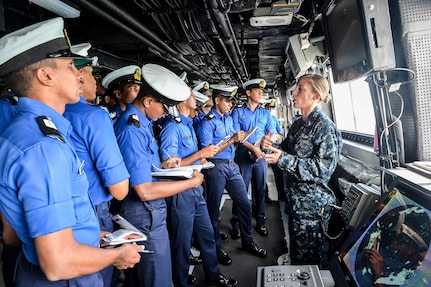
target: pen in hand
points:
(173, 161)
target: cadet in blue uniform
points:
(11, 243)
(44, 188)
(188, 210)
(8, 109)
(123, 85)
(94, 140)
(204, 100)
(145, 205)
(249, 155)
(309, 156)
(215, 126)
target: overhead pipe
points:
(217, 36)
(161, 47)
(225, 11)
(229, 38)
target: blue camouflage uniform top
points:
(94, 140)
(42, 182)
(8, 109)
(213, 128)
(245, 119)
(179, 138)
(310, 155)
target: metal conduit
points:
(167, 52)
(229, 38)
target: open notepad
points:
(184, 172)
(128, 233)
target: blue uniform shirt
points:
(277, 126)
(8, 109)
(138, 145)
(198, 119)
(43, 186)
(213, 128)
(179, 138)
(95, 143)
(117, 110)
(245, 119)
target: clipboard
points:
(223, 141)
(248, 134)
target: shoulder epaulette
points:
(112, 114)
(48, 128)
(177, 119)
(13, 100)
(209, 116)
(134, 120)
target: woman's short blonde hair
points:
(319, 84)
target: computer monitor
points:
(358, 38)
(392, 248)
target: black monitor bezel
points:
(372, 39)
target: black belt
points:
(217, 160)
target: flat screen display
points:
(393, 249)
(346, 41)
(358, 38)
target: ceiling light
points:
(271, 20)
(58, 7)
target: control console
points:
(289, 276)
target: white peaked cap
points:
(255, 83)
(224, 90)
(201, 98)
(202, 86)
(81, 49)
(197, 91)
(169, 88)
(124, 75)
(32, 44)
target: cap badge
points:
(206, 86)
(262, 84)
(137, 75)
(233, 93)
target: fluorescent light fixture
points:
(58, 7)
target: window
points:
(353, 107)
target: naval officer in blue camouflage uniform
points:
(94, 140)
(44, 187)
(215, 126)
(309, 156)
(249, 156)
(188, 213)
(145, 205)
